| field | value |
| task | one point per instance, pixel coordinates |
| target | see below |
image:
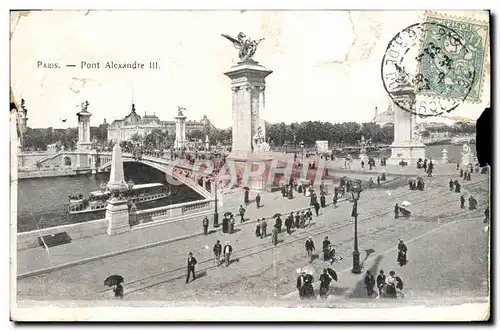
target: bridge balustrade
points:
(173, 211)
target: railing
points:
(173, 211)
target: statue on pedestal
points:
(259, 142)
(179, 110)
(247, 46)
(84, 105)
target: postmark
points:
(430, 69)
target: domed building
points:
(384, 118)
(133, 123)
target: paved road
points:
(251, 278)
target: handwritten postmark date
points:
(436, 67)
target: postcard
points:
(245, 165)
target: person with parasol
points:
(115, 281)
(325, 279)
(278, 223)
(257, 228)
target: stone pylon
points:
(117, 178)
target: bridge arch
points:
(168, 169)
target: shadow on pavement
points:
(201, 274)
(368, 252)
(359, 291)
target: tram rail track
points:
(379, 210)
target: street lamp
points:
(302, 151)
(355, 191)
(213, 179)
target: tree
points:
(196, 135)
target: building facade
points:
(384, 118)
(133, 123)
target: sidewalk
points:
(158, 273)
(101, 246)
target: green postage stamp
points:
(458, 51)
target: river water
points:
(42, 201)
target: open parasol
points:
(276, 215)
(405, 204)
(113, 280)
(228, 213)
(332, 274)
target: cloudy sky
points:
(326, 64)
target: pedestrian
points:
(378, 180)
(487, 215)
(324, 287)
(458, 165)
(323, 201)
(370, 182)
(300, 283)
(278, 224)
(362, 164)
(228, 250)
(316, 208)
(335, 199)
(297, 220)
(191, 262)
(462, 202)
(231, 224)
(225, 224)
(308, 287)
(247, 193)
(461, 173)
(381, 283)
(451, 184)
(205, 225)
(369, 283)
(472, 203)
(326, 249)
(118, 291)
(308, 216)
(263, 228)
(393, 283)
(274, 236)
(402, 253)
(283, 191)
(310, 248)
(242, 213)
(396, 211)
(257, 201)
(217, 252)
(257, 229)
(289, 223)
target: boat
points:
(98, 200)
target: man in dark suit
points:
(300, 284)
(257, 200)
(191, 262)
(205, 225)
(217, 252)
(369, 283)
(310, 248)
(381, 283)
(326, 249)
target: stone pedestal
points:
(248, 100)
(117, 215)
(180, 131)
(406, 145)
(249, 163)
(84, 143)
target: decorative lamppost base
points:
(356, 268)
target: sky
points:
(326, 64)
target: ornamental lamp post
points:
(216, 207)
(355, 191)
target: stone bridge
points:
(180, 172)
